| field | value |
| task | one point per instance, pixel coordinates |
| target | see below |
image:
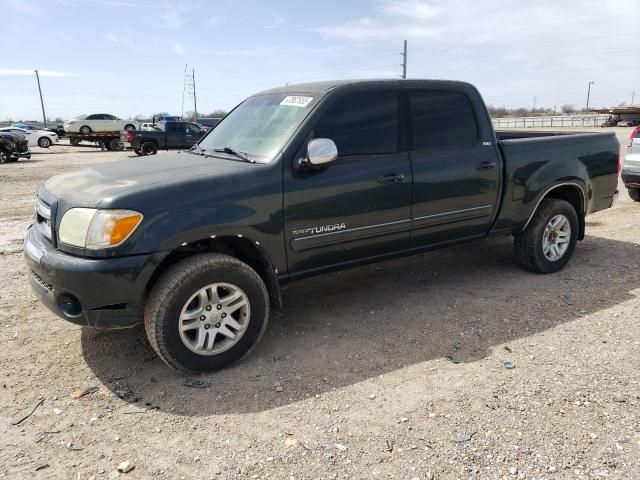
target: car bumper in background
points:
(630, 178)
(100, 293)
(26, 154)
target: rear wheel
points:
(129, 126)
(550, 238)
(85, 130)
(206, 312)
(634, 193)
(44, 142)
(116, 145)
(149, 148)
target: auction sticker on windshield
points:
(296, 101)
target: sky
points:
(128, 57)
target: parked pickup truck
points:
(298, 181)
(171, 135)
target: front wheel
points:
(634, 193)
(129, 126)
(206, 313)
(550, 238)
(5, 156)
(44, 142)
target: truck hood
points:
(88, 187)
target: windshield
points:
(260, 126)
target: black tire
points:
(85, 130)
(634, 193)
(44, 142)
(129, 126)
(137, 151)
(106, 145)
(116, 145)
(5, 156)
(149, 148)
(529, 243)
(173, 290)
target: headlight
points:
(97, 229)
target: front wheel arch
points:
(239, 247)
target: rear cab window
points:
(442, 120)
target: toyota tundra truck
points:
(299, 181)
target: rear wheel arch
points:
(241, 248)
(570, 192)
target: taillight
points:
(129, 137)
(634, 134)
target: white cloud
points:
(120, 39)
(415, 9)
(215, 20)
(178, 48)
(367, 29)
(172, 19)
(19, 72)
(277, 20)
(23, 7)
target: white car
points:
(40, 138)
(98, 122)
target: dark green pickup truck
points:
(168, 135)
(297, 181)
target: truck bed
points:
(534, 160)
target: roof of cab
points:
(325, 86)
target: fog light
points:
(69, 305)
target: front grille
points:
(22, 146)
(43, 218)
(46, 285)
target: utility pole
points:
(404, 60)
(633, 96)
(184, 87)
(535, 100)
(589, 93)
(44, 115)
(195, 105)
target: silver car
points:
(631, 166)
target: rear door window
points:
(362, 123)
(442, 120)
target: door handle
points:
(391, 178)
(487, 165)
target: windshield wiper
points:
(231, 151)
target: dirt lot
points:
(398, 370)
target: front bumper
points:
(101, 293)
(25, 154)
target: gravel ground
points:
(450, 365)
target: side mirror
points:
(321, 151)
